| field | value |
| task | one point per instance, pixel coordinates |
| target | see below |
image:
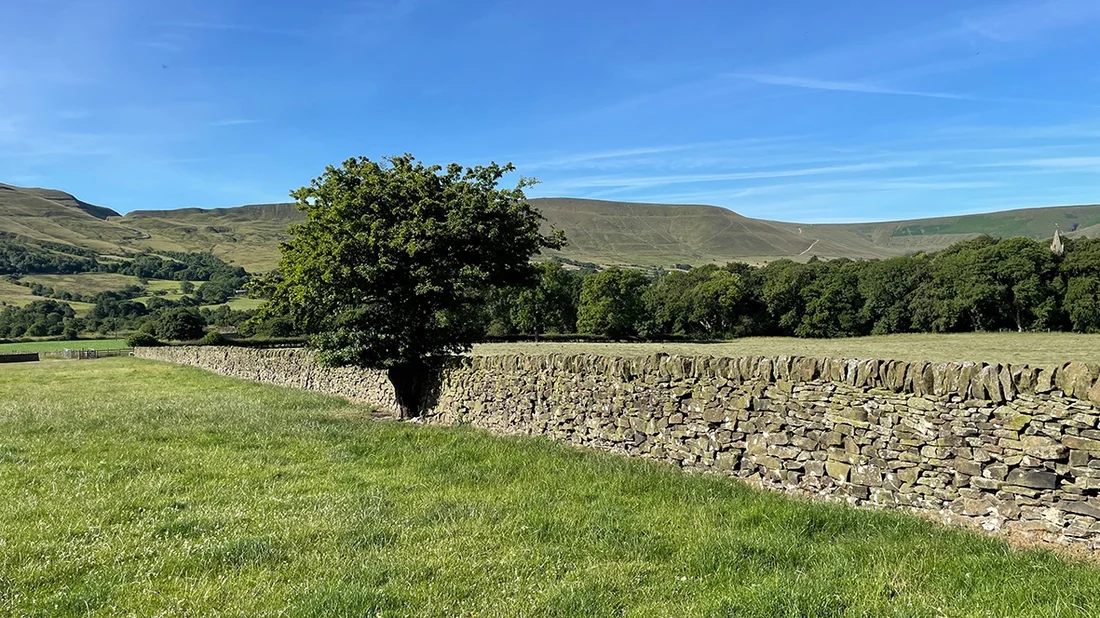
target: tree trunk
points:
(408, 381)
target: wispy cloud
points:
(1027, 20)
(672, 179)
(810, 83)
(233, 122)
(229, 27)
(635, 154)
(167, 46)
(1087, 163)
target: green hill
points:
(245, 236)
(599, 231)
(43, 214)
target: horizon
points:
(565, 197)
(811, 114)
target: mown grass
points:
(134, 488)
(73, 344)
(1032, 348)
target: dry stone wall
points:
(1001, 447)
(293, 367)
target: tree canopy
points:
(395, 257)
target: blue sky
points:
(798, 110)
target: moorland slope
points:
(603, 232)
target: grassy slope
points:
(78, 344)
(655, 234)
(1030, 348)
(84, 283)
(639, 234)
(599, 231)
(221, 497)
(247, 236)
(12, 294)
(81, 283)
(17, 295)
(59, 217)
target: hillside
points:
(599, 231)
(245, 236)
(43, 214)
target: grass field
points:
(244, 304)
(14, 294)
(94, 283)
(218, 497)
(48, 346)
(1032, 348)
(84, 283)
(169, 285)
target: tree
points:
(611, 303)
(547, 306)
(667, 302)
(141, 340)
(833, 302)
(215, 292)
(888, 288)
(394, 258)
(1083, 304)
(784, 283)
(186, 287)
(180, 324)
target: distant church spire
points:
(1056, 246)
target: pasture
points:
(75, 344)
(1031, 348)
(85, 283)
(129, 487)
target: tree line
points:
(112, 314)
(984, 284)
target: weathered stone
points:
(996, 471)
(866, 475)
(920, 403)
(1089, 509)
(1024, 378)
(923, 379)
(714, 415)
(1044, 380)
(1094, 393)
(1082, 444)
(1017, 422)
(1043, 447)
(967, 467)
(1008, 386)
(935, 452)
(807, 369)
(985, 484)
(1077, 379)
(909, 475)
(990, 376)
(815, 468)
(1038, 479)
(837, 470)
